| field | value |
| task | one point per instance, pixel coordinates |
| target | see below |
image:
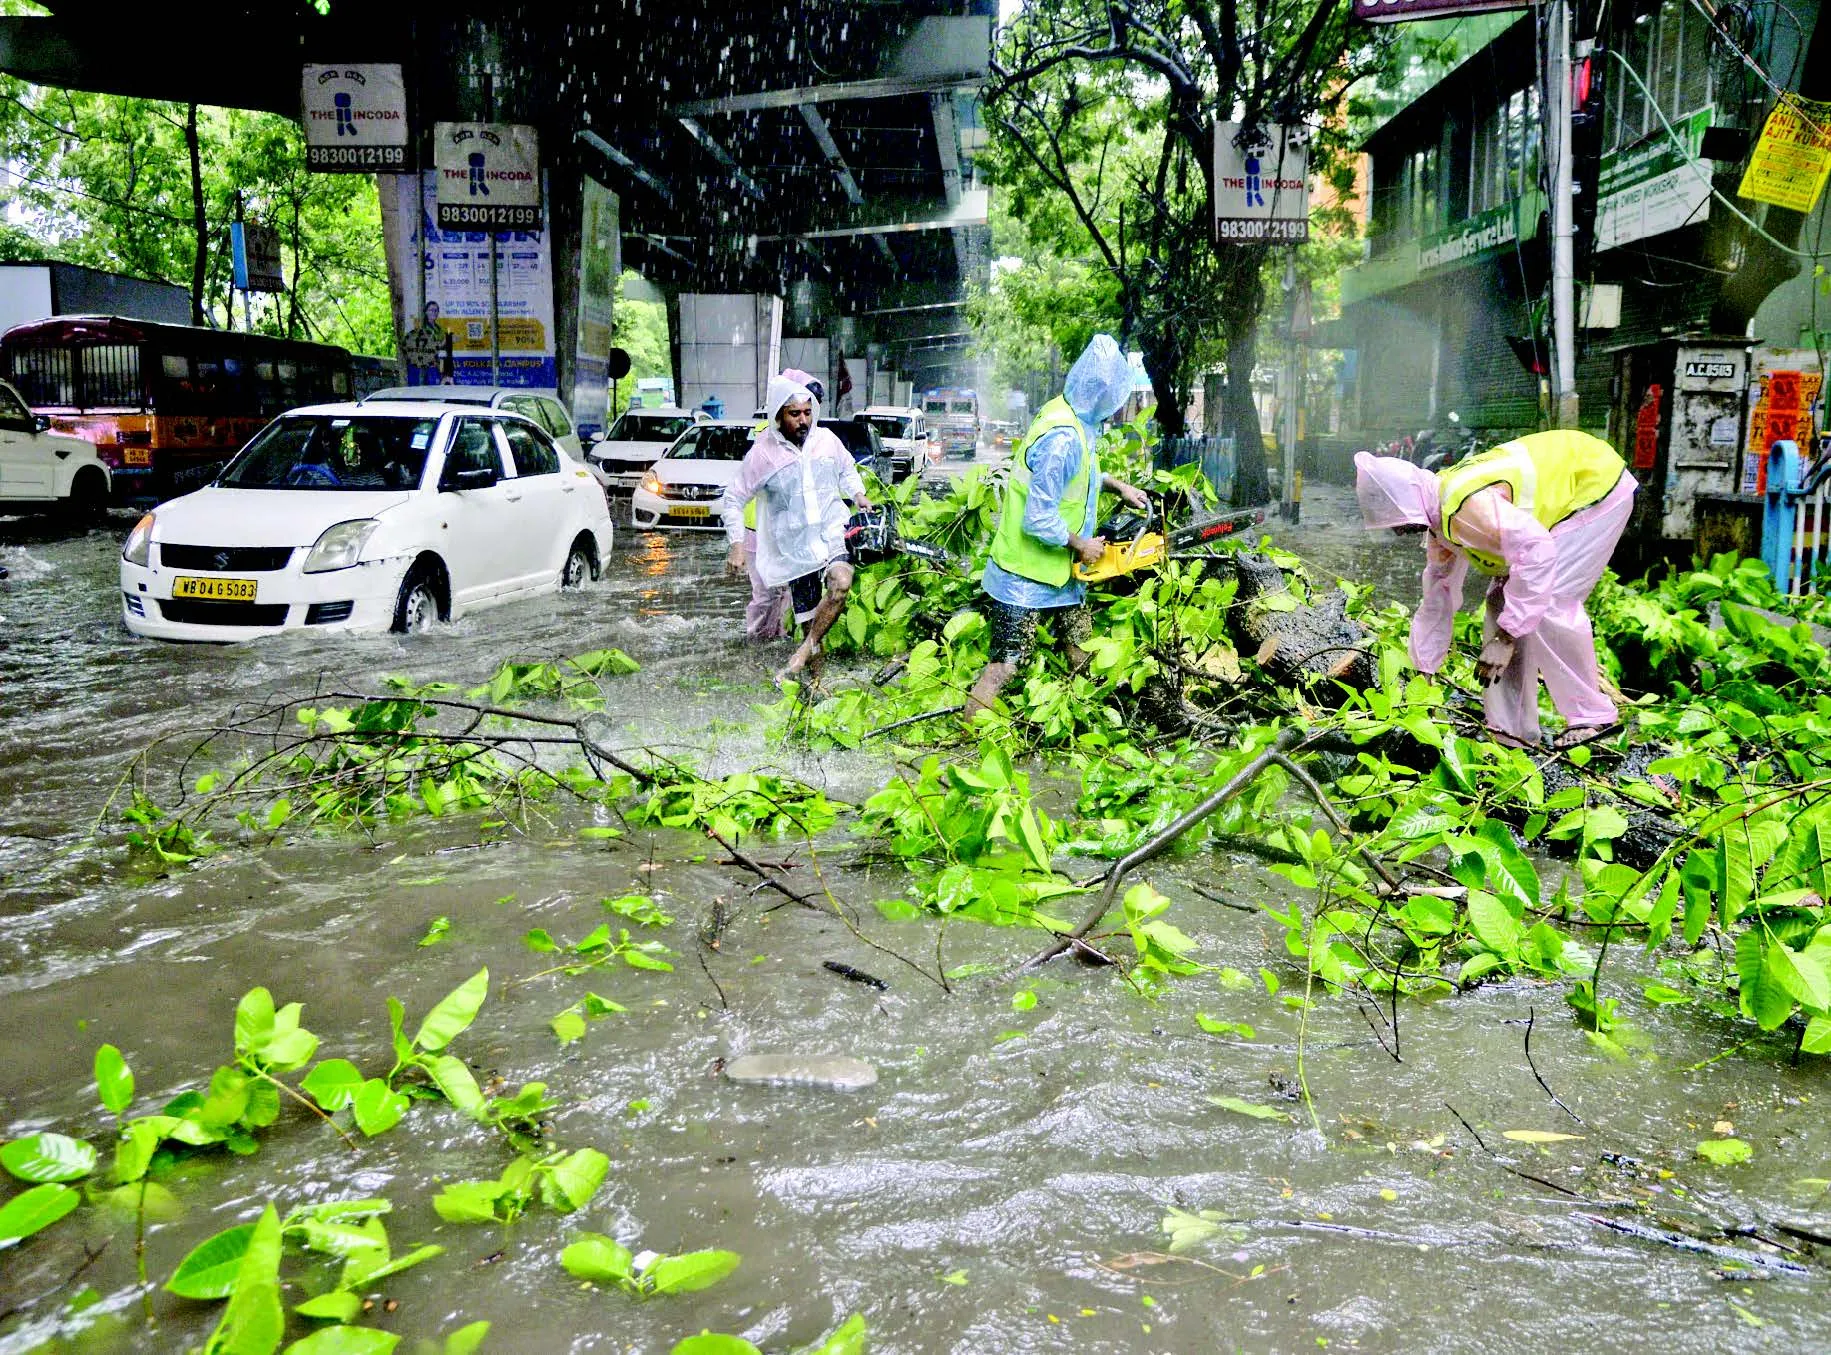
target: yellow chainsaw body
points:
(1144, 551)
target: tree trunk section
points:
(200, 223)
(1251, 484)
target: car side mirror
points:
(479, 477)
(40, 422)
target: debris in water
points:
(846, 971)
(802, 1070)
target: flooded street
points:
(1001, 1188)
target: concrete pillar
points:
(729, 345)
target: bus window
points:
(175, 366)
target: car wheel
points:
(88, 501)
(578, 570)
(418, 605)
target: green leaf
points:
(1818, 1036)
(1725, 1152)
(597, 1258)
(364, 1269)
(377, 1107)
(48, 1157)
(1025, 1000)
(1801, 975)
(568, 1026)
(337, 1306)
(539, 940)
(1764, 995)
(576, 1178)
(848, 1338)
(457, 1083)
(690, 1271)
(253, 1322)
(454, 1013)
(114, 1082)
(1493, 925)
(208, 1271)
(1252, 1108)
(1213, 1025)
(345, 1341)
(467, 1340)
(468, 1202)
(436, 931)
(712, 1343)
(35, 1209)
(253, 1021)
(332, 1084)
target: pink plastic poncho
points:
(1539, 601)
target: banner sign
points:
(1396, 11)
(355, 119)
(254, 253)
(600, 263)
(1261, 183)
(1654, 187)
(488, 175)
(1792, 157)
(455, 303)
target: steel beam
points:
(837, 92)
(629, 166)
(823, 137)
(711, 146)
(919, 217)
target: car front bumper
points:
(360, 598)
(649, 511)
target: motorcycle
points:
(1438, 449)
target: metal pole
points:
(489, 115)
(1288, 490)
(1563, 251)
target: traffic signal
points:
(1585, 148)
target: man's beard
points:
(798, 436)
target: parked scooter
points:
(1438, 449)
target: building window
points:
(1504, 156)
(1667, 42)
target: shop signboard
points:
(1479, 235)
(1261, 183)
(1654, 187)
(488, 175)
(1793, 156)
(355, 118)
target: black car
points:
(867, 449)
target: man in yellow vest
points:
(1047, 520)
(1540, 516)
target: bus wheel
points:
(420, 603)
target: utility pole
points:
(1288, 494)
(489, 115)
(1563, 249)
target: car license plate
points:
(216, 590)
(136, 456)
(689, 510)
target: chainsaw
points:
(1132, 544)
(872, 535)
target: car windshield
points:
(889, 425)
(325, 451)
(715, 444)
(648, 428)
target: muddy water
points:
(998, 1190)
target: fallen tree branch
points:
(1238, 782)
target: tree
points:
(150, 189)
(640, 328)
(1112, 105)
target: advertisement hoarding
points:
(488, 176)
(1261, 183)
(355, 118)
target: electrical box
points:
(1678, 418)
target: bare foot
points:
(1577, 735)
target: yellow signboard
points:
(1792, 157)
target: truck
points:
(953, 420)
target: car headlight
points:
(139, 547)
(340, 546)
(652, 483)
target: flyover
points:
(824, 158)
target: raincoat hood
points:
(1394, 493)
(807, 381)
(1100, 381)
(783, 390)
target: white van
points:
(904, 431)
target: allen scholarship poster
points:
(454, 292)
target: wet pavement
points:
(999, 1188)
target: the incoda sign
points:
(355, 118)
(488, 175)
(1261, 183)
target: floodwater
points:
(1000, 1189)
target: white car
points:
(541, 404)
(366, 517)
(635, 442)
(684, 487)
(905, 436)
(44, 469)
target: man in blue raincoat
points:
(1048, 520)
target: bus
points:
(953, 420)
(165, 405)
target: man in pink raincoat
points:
(1539, 515)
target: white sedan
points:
(41, 468)
(635, 442)
(684, 487)
(366, 517)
